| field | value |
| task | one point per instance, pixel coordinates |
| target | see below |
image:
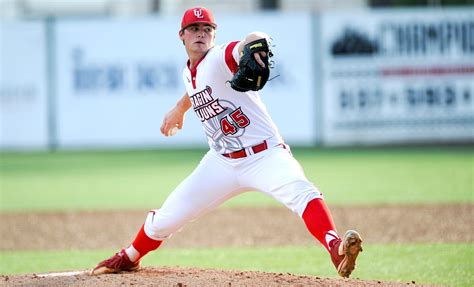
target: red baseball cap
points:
(198, 15)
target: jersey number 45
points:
(234, 121)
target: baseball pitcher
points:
(246, 151)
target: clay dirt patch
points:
(237, 227)
(175, 276)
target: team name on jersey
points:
(205, 105)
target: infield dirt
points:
(229, 227)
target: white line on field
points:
(62, 274)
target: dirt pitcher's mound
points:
(177, 276)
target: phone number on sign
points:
(406, 97)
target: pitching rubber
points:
(62, 274)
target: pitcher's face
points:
(198, 38)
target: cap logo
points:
(198, 13)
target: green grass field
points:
(94, 180)
(98, 180)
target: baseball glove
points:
(250, 75)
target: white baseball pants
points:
(216, 179)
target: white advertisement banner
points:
(23, 99)
(118, 78)
(398, 76)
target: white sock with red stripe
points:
(141, 245)
(132, 253)
(331, 235)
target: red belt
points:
(243, 153)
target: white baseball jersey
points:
(231, 120)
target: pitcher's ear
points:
(181, 35)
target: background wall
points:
(345, 78)
(23, 85)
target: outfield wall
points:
(23, 86)
(371, 77)
(119, 77)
